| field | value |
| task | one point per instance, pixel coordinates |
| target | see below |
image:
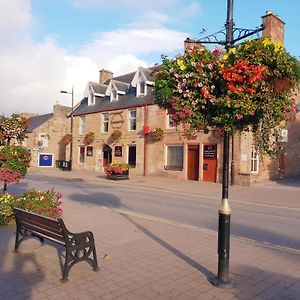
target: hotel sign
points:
(117, 120)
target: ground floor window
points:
(132, 156)
(254, 160)
(81, 154)
(174, 157)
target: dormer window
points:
(91, 99)
(114, 95)
(141, 88)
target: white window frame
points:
(82, 125)
(169, 122)
(91, 99)
(254, 161)
(114, 95)
(132, 120)
(43, 137)
(139, 91)
(173, 167)
(105, 122)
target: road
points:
(258, 220)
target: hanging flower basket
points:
(66, 139)
(157, 134)
(115, 136)
(89, 138)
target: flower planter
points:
(114, 176)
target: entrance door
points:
(210, 163)
(193, 162)
(107, 157)
(132, 156)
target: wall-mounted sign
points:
(45, 160)
(89, 151)
(210, 151)
(117, 120)
(118, 151)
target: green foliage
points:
(14, 161)
(7, 202)
(42, 202)
(116, 168)
(248, 88)
(14, 127)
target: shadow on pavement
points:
(110, 201)
(19, 272)
(255, 283)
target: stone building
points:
(126, 105)
(45, 134)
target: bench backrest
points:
(45, 227)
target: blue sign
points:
(45, 160)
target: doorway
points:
(193, 162)
(210, 163)
(132, 156)
(107, 156)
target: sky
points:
(51, 45)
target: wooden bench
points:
(79, 246)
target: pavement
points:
(146, 258)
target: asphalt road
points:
(257, 220)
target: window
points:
(81, 125)
(43, 140)
(170, 122)
(132, 156)
(141, 88)
(254, 161)
(81, 154)
(132, 120)
(114, 95)
(174, 158)
(91, 99)
(105, 120)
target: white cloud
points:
(190, 10)
(14, 16)
(32, 73)
(129, 4)
(107, 46)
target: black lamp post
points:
(71, 128)
(224, 212)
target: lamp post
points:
(224, 212)
(71, 127)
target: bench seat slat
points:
(45, 232)
(52, 226)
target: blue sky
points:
(50, 45)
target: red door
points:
(210, 163)
(193, 162)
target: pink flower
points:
(252, 113)
(239, 117)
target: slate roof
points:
(129, 100)
(36, 121)
(98, 88)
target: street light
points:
(224, 211)
(71, 129)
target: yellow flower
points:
(277, 46)
(225, 57)
(232, 51)
(181, 64)
(267, 42)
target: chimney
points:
(274, 27)
(105, 75)
(60, 110)
(192, 44)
